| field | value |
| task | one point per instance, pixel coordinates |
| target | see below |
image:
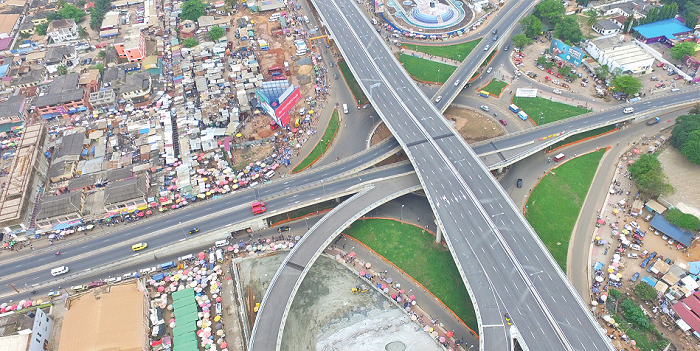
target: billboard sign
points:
(526, 92)
(691, 63)
(291, 97)
(572, 55)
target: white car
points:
(632, 255)
(113, 280)
(489, 70)
(147, 270)
(485, 108)
(438, 99)
(635, 247)
(457, 82)
(557, 91)
(487, 47)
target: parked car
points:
(54, 293)
(635, 247)
(503, 122)
(644, 254)
(78, 288)
(95, 284)
(113, 280)
(634, 277)
(632, 255)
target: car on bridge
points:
(508, 320)
(139, 246)
(485, 108)
(194, 230)
(438, 99)
(457, 82)
(487, 47)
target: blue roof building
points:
(683, 236)
(661, 31)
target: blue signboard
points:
(572, 55)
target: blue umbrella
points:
(367, 276)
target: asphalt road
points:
(516, 274)
(651, 102)
(34, 266)
(271, 317)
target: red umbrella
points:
(383, 286)
(140, 214)
(201, 255)
(449, 333)
(393, 296)
(161, 288)
(352, 254)
(362, 273)
(412, 297)
(230, 248)
(149, 212)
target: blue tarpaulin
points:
(649, 280)
(694, 267)
(67, 225)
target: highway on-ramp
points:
(504, 265)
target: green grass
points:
(495, 87)
(426, 70)
(584, 135)
(456, 52)
(352, 83)
(415, 251)
(320, 148)
(488, 59)
(551, 111)
(555, 203)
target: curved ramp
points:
(272, 315)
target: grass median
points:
(456, 52)
(544, 111)
(352, 83)
(495, 87)
(580, 136)
(322, 145)
(554, 205)
(415, 251)
(426, 70)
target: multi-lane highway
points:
(33, 267)
(502, 261)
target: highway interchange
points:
(508, 269)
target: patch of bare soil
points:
(242, 157)
(472, 125)
(383, 133)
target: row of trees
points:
(689, 9)
(681, 49)
(682, 220)
(97, 13)
(686, 135)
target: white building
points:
(62, 30)
(606, 27)
(619, 53)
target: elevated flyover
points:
(272, 315)
(504, 265)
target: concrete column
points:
(438, 235)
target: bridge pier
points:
(438, 235)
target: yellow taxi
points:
(139, 246)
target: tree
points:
(41, 28)
(82, 32)
(649, 176)
(681, 49)
(568, 30)
(645, 291)
(24, 35)
(583, 3)
(602, 72)
(61, 70)
(682, 220)
(541, 61)
(521, 40)
(592, 18)
(691, 148)
(190, 42)
(531, 25)
(627, 84)
(614, 293)
(633, 313)
(564, 70)
(550, 10)
(192, 10)
(685, 125)
(549, 64)
(628, 24)
(102, 54)
(70, 11)
(216, 32)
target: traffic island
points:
(543, 111)
(322, 145)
